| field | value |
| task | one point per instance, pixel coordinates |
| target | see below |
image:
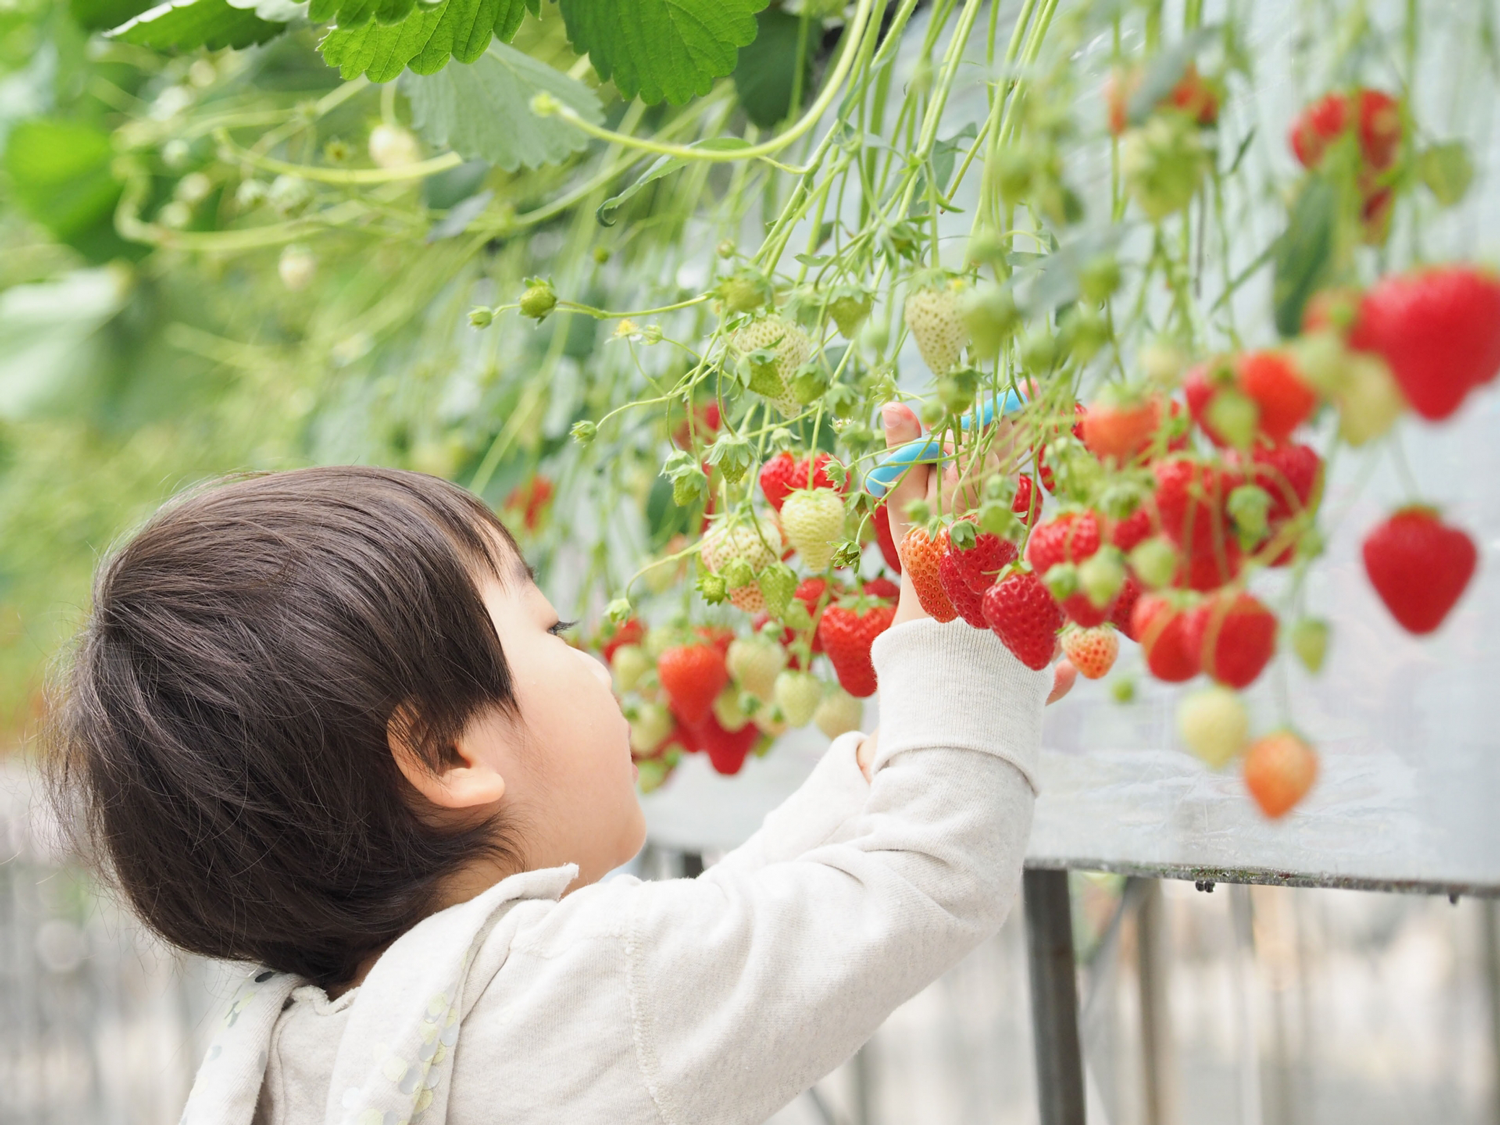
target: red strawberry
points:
(1233, 637)
(1419, 567)
(1279, 770)
(820, 477)
(881, 587)
(1325, 120)
(776, 478)
(726, 750)
(1025, 617)
(982, 563)
(967, 601)
(1158, 627)
(847, 633)
(1291, 474)
(717, 635)
(1208, 568)
(1438, 329)
(808, 592)
(1200, 385)
(1124, 608)
(1190, 499)
(692, 676)
(1319, 124)
(1195, 97)
(1027, 502)
(1134, 528)
(1091, 651)
(705, 424)
(531, 500)
(1120, 430)
(920, 556)
(1379, 128)
(1192, 96)
(630, 633)
(886, 540)
(1071, 537)
(1273, 384)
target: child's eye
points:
(561, 627)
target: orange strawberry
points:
(1091, 651)
(921, 555)
(1279, 770)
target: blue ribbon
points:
(929, 450)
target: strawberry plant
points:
(647, 294)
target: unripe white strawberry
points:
(393, 147)
(813, 519)
(791, 348)
(771, 721)
(755, 663)
(296, 266)
(629, 663)
(728, 712)
(652, 723)
(1214, 724)
(838, 713)
(798, 695)
(935, 322)
(757, 546)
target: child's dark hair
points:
(222, 738)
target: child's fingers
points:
(902, 426)
(1064, 675)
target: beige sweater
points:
(716, 999)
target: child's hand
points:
(921, 483)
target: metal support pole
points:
(1054, 998)
(1491, 933)
(1156, 1024)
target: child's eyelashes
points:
(561, 627)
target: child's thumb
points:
(902, 426)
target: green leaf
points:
(49, 343)
(483, 111)
(101, 15)
(424, 41)
(661, 49)
(60, 176)
(662, 166)
(767, 68)
(186, 25)
(1303, 253)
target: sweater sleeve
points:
(747, 987)
(833, 794)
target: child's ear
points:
(462, 779)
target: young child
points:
(322, 721)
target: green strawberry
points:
(813, 519)
(755, 663)
(798, 695)
(1214, 724)
(838, 713)
(629, 663)
(932, 317)
(790, 348)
